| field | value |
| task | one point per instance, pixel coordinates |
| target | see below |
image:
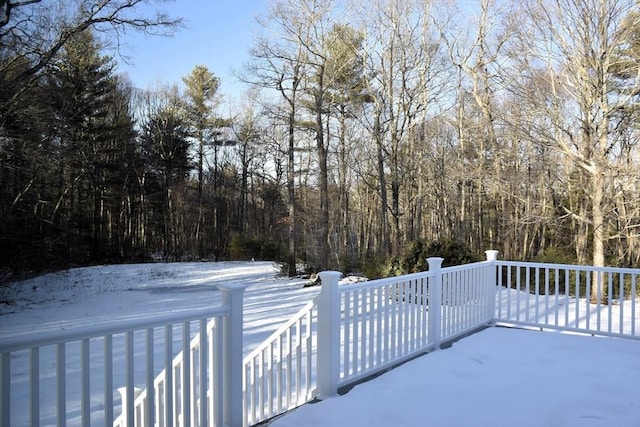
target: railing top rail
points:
(412, 276)
(21, 342)
(385, 281)
(568, 267)
(464, 267)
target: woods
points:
(366, 127)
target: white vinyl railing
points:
(360, 330)
(384, 322)
(172, 398)
(347, 333)
(178, 384)
(593, 300)
(279, 374)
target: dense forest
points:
(368, 127)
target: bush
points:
(373, 267)
(414, 257)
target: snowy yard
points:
(499, 377)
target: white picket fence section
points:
(583, 299)
(362, 329)
(346, 334)
(280, 373)
(173, 398)
(179, 386)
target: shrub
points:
(414, 257)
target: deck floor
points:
(496, 377)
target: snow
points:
(498, 377)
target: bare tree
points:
(32, 32)
(404, 69)
(578, 42)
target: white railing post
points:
(435, 301)
(328, 334)
(232, 335)
(492, 294)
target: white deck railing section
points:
(172, 398)
(347, 333)
(593, 300)
(279, 374)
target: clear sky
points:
(216, 33)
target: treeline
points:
(366, 127)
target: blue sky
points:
(217, 33)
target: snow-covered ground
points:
(496, 378)
(500, 377)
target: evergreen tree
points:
(201, 101)
(165, 148)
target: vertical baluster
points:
(263, 385)
(634, 319)
(414, 314)
(588, 297)
(363, 329)
(250, 395)
(149, 376)
(86, 382)
(5, 386)
(168, 372)
(299, 354)
(424, 307)
(370, 321)
(472, 300)
(270, 380)
(621, 298)
(309, 352)
(600, 287)
(402, 318)
(588, 289)
(546, 296)
(450, 304)
(461, 290)
(108, 380)
(289, 371)
(279, 374)
(509, 268)
(500, 293)
(449, 314)
(518, 294)
(464, 299)
(567, 295)
(186, 374)
(61, 387)
(193, 378)
(346, 369)
(537, 291)
(129, 372)
(202, 374)
(386, 344)
(610, 302)
(556, 282)
(417, 301)
(395, 329)
(527, 294)
(34, 386)
(356, 331)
